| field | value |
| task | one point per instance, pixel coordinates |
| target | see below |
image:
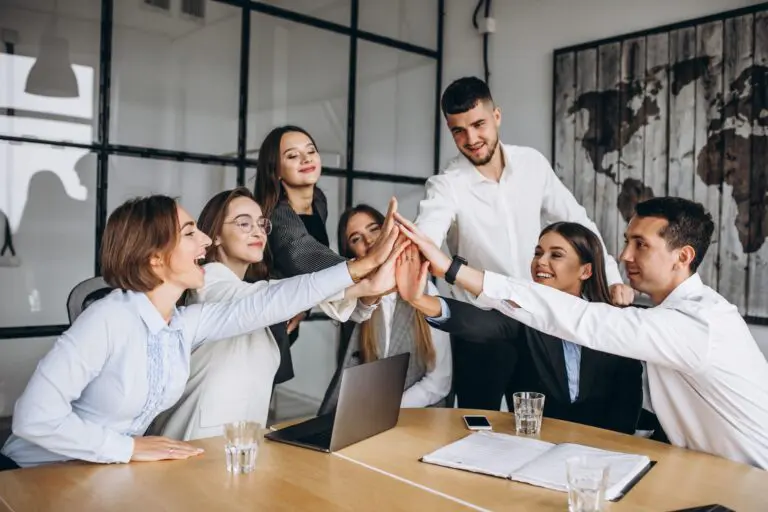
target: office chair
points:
(84, 294)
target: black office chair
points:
(84, 294)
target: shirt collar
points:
(475, 177)
(684, 289)
(151, 316)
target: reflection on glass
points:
(48, 78)
(337, 11)
(409, 21)
(377, 194)
(395, 111)
(193, 184)
(47, 205)
(175, 80)
(298, 75)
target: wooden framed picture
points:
(680, 110)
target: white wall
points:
(527, 32)
(520, 59)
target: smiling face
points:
(555, 263)
(476, 131)
(299, 160)
(183, 266)
(243, 238)
(652, 267)
(362, 232)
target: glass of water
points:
(529, 407)
(242, 445)
(587, 481)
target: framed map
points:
(680, 110)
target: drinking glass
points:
(529, 407)
(587, 481)
(242, 445)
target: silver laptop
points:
(369, 403)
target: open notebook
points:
(535, 462)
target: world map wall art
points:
(682, 111)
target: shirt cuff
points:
(445, 314)
(117, 448)
(341, 273)
(498, 289)
(362, 307)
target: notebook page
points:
(490, 453)
(549, 470)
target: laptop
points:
(369, 403)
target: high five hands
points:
(439, 262)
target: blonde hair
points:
(425, 349)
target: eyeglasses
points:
(247, 224)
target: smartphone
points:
(477, 422)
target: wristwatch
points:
(450, 274)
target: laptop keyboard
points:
(321, 439)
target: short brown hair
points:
(136, 231)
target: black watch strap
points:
(453, 270)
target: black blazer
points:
(610, 387)
(294, 251)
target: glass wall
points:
(103, 100)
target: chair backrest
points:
(84, 294)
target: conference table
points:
(380, 473)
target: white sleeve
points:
(338, 308)
(436, 384)
(43, 414)
(437, 211)
(271, 303)
(659, 335)
(364, 312)
(559, 205)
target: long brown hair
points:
(211, 222)
(268, 190)
(589, 249)
(425, 349)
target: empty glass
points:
(587, 481)
(242, 445)
(529, 407)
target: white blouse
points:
(119, 365)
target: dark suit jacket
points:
(293, 252)
(610, 387)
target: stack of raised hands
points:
(375, 272)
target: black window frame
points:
(103, 148)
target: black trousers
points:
(7, 463)
(483, 373)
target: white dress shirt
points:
(232, 379)
(435, 384)
(496, 226)
(120, 364)
(708, 380)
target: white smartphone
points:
(477, 422)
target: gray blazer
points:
(294, 250)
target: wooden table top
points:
(381, 473)
(680, 479)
